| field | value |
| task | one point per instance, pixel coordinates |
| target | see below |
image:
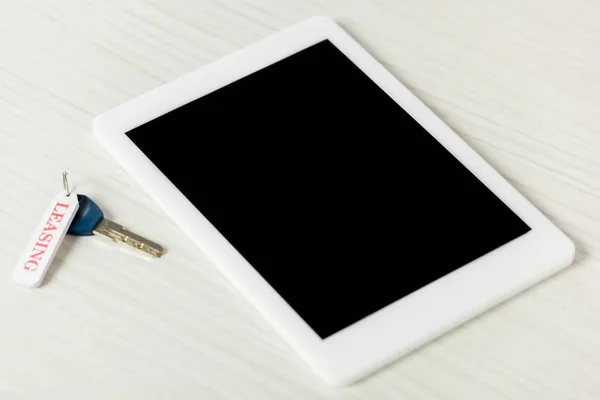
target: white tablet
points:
(353, 218)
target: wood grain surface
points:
(519, 80)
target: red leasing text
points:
(45, 237)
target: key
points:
(90, 220)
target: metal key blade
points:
(116, 232)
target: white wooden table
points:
(518, 79)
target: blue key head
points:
(88, 216)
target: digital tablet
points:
(354, 219)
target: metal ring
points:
(66, 183)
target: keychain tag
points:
(46, 239)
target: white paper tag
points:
(46, 238)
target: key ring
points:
(47, 237)
(66, 183)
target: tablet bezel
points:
(393, 331)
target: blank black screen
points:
(329, 189)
